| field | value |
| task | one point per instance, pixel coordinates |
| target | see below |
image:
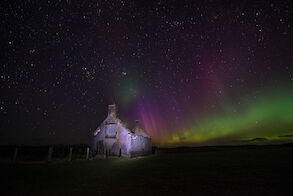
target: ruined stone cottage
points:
(114, 139)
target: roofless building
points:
(114, 139)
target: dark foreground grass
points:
(225, 172)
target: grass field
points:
(261, 171)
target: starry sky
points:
(193, 72)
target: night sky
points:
(193, 72)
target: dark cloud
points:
(258, 139)
(285, 136)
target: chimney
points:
(112, 109)
(137, 125)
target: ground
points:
(260, 171)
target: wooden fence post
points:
(87, 153)
(50, 153)
(70, 154)
(15, 154)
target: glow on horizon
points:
(269, 117)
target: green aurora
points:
(267, 120)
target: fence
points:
(45, 153)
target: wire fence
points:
(47, 153)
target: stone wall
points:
(140, 146)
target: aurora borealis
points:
(194, 72)
(269, 118)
